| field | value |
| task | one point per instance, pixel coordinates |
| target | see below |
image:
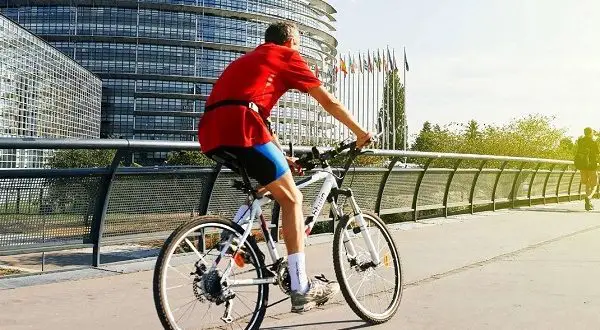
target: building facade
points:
(158, 59)
(43, 93)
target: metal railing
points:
(56, 209)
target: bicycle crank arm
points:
(251, 281)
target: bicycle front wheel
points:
(373, 291)
(189, 294)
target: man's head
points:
(588, 131)
(284, 34)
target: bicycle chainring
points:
(283, 277)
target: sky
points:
(492, 61)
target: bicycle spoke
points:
(187, 277)
(176, 287)
(187, 241)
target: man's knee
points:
(292, 198)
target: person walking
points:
(586, 162)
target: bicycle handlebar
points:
(305, 161)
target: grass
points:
(4, 272)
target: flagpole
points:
(378, 113)
(365, 93)
(395, 72)
(405, 124)
(386, 88)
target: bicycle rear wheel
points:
(372, 291)
(188, 295)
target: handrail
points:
(456, 192)
(155, 145)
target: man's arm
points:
(339, 112)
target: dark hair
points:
(280, 32)
(587, 131)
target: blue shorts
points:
(265, 163)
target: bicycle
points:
(195, 252)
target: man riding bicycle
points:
(235, 121)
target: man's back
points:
(262, 76)
(587, 153)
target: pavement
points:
(529, 268)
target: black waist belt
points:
(248, 104)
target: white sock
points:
(297, 269)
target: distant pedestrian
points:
(586, 162)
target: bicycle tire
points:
(356, 307)
(168, 246)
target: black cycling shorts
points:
(265, 163)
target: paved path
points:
(532, 268)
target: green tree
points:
(81, 158)
(189, 158)
(531, 136)
(391, 114)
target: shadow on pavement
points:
(359, 325)
(552, 210)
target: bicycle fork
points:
(364, 230)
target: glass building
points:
(43, 93)
(158, 59)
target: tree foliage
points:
(189, 158)
(81, 158)
(391, 114)
(531, 136)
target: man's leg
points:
(290, 199)
(305, 293)
(585, 180)
(592, 184)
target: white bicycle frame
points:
(248, 220)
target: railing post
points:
(417, 188)
(102, 206)
(502, 167)
(382, 184)
(537, 168)
(205, 202)
(546, 182)
(571, 182)
(558, 184)
(513, 191)
(448, 183)
(472, 194)
(207, 192)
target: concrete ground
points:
(530, 268)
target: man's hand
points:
(364, 139)
(296, 169)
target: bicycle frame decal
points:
(319, 202)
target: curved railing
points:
(57, 209)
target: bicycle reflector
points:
(386, 260)
(238, 257)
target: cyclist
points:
(235, 121)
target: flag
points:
(352, 65)
(405, 61)
(360, 64)
(394, 58)
(343, 66)
(378, 61)
(390, 61)
(369, 61)
(385, 67)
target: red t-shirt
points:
(261, 76)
